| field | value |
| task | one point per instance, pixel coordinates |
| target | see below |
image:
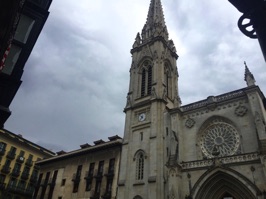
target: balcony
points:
(76, 178)
(99, 174)
(89, 175)
(11, 155)
(24, 175)
(6, 169)
(110, 174)
(2, 152)
(20, 159)
(15, 173)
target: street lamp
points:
(253, 21)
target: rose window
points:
(219, 139)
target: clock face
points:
(142, 117)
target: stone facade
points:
(214, 148)
(90, 172)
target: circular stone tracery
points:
(219, 139)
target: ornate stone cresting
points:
(155, 24)
(249, 78)
(250, 157)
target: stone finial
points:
(249, 78)
(137, 41)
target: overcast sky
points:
(76, 80)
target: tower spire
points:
(155, 24)
(249, 78)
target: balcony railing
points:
(11, 155)
(110, 174)
(89, 175)
(75, 178)
(99, 174)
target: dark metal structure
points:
(253, 21)
(21, 21)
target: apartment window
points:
(2, 147)
(75, 187)
(100, 168)
(16, 168)
(13, 150)
(12, 183)
(21, 154)
(111, 166)
(79, 171)
(21, 185)
(30, 157)
(54, 176)
(91, 169)
(140, 166)
(2, 178)
(109, 186)
(98, 187)
(38, 184)
(63, 182)
(44, 183)
(88, 185)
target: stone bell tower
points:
(153, 90)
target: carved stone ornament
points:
(219, 139)
(241, 111)
(190, 123)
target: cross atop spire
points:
(249, 78)
(155, 24)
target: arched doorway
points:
(227, 196)
(221, 185)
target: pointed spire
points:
(155, 24)
(249, 78)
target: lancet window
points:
(146, 79)
(140, 166)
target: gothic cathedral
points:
(211, 149)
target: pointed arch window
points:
(143, 82)
(149, 80)
(146, 80)
(167, 80)
(140, 166)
